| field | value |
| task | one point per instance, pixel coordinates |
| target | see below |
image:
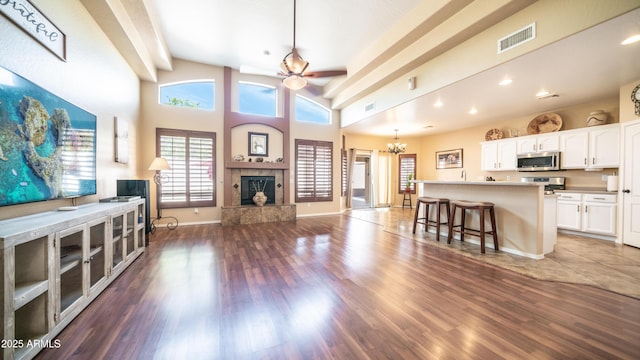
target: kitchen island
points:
(525, 216)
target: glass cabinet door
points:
(97, 258)
(131, 221)
(117, 228)
(32, 295)
(70, 244)
(141, 226)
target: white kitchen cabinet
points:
(604, 147)
(538, 143)
(54, 264)
(591, 148)
(599, 214)
(574, 147)
(570, 211)
(499, 155)
(588, 213)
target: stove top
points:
(551, 183)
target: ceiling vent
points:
(519, 37)
(369, 107)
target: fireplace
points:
(242, 209)
(249, 185)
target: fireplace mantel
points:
(256, 165)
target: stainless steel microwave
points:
(543, 161)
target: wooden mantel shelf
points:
(255, 165)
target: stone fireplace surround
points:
(237, 214)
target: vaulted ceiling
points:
(378, 42)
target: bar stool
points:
(481, 207)
(428, 201)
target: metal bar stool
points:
(428, 201)
(481, 207)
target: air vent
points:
(519, 37)
(369, 107)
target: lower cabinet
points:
(589, 213)
(55, 263)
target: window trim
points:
(403, 179)
(316, 144)
(188, 202)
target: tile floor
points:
(575, 259)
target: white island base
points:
(525, 216)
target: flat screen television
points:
(47, 145)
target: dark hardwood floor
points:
(338, 287)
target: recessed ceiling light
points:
(438, 103)
(505, 82)
(428, 127)
(631, 39)
(473, 111)
(542, 93)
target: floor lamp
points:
(158, 164)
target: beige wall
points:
(95, 77)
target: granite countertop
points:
(586, 190)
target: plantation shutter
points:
(191, 180)
(314, 171)
(343, 178)
(407, 167)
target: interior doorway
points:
(361, 180)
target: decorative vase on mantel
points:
(259, 198)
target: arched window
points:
(308, 110)
(198, 94)
(257, 99)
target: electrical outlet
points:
(195, 211)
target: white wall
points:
(94, 77)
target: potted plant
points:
(407, 188)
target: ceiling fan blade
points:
(327, 73)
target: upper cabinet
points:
(595, 147)
(499, 155)
(591, 148)
(538, 143)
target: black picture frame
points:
(258, 144)
(449, 159)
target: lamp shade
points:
(159, 164)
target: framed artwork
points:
(258, 144)
(121, 129)
(449, 159)
(27, 17)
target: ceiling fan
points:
(294, 67)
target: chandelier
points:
(396, 148)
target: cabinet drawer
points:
(570, 196)
(605, 198)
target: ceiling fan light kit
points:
(294, 66)
(294, 82)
